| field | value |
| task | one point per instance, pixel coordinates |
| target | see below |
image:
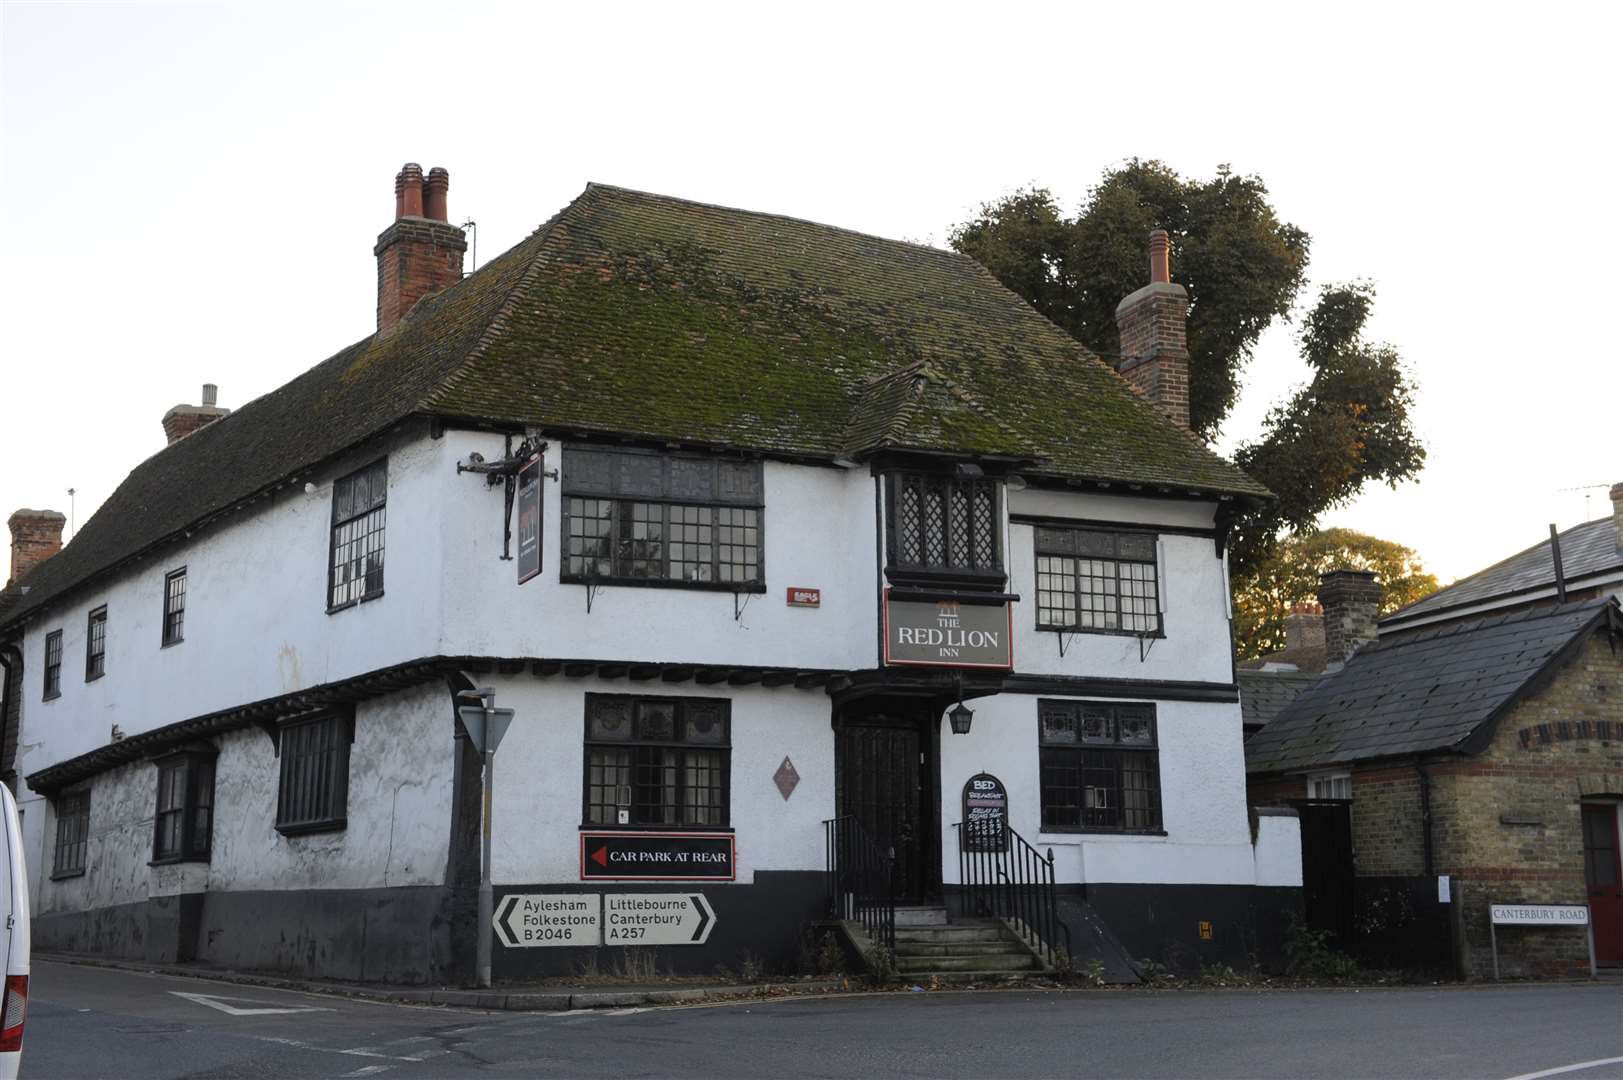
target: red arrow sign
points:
(601, 856)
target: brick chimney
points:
(1304, 627)
(36, 535)
(1352, 603)
(1617, 512)
(421, 253)
(1152, 324)
(182, 420)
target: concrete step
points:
(954, 932)
(978, 978)
(927, 965)
(921, 916)
(960, 948)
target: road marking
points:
(266, 1008)
(359, 1051)
(1597, 1063)
(369, 1070)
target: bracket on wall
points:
(739, 606)
(273, 732)
(505, 472)
(591, 592)
(1062, 636)
(1143, 648)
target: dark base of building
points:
(1187, 927)
(395, 935)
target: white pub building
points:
(791, 551)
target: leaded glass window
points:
(1100, 767)
(358, 518)
(944, 524)
(657, 761)
(1093, 580)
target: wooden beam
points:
(744, 678)
(644, 672)
(777, 678)
(710, 675)
(546, 667)
(677, 674)
(611, 671)
(808, 679)
(510, 667)
(576, 671)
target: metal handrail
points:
(861, 880)
(1003, 877)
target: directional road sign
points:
(657, 919)
(532, 920)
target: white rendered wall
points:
(1203, 808)
(398, 817)
(539, 775)
(818, 530)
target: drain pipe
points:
(1425, 816)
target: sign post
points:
(486, 725)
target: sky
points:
(192, 191)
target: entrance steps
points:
(971, 947)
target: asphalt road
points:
(97, 1022)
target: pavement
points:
(89, 1021)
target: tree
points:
(1243, 268)
(1264, 595)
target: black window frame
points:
(315, 800)
(52, 668)
(187, 777)
(1104, 755)
(96, 644)
(72, 810)
(1068, 542)
(971, 553)
(592, 810)
(352, 528)
(607, 498)
(172, 616)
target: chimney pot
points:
(36, 535)
(182, 420)
(1160, 256)
(210, 395)
(434, 189)
(409, 191)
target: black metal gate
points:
(1327, 866)
(885, 782)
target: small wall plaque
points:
(799, 597)
(786, 778)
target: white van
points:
(15, 943)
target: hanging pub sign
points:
(986, 814)
(529, 519)
(948, 633)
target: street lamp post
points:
(485, 725)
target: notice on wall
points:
(986, 814)
(948, 633)
(1539, 914)
(529, 519)
(532, 920)
(657, 919)
(656, 856)
(1443, 890)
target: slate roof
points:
(1264, 693)
(1590, 548)
(641, 315)
(1427, 689)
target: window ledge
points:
(51, 697)
(172, 644)
(1042, 629)
(588, 827)
(355, 603)
(63, 875)
(1078, 836)
(175, 860)
(666, 583)
(93, 678)
(307, 827)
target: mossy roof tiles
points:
(641, 315)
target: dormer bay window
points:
(633, 517)
(944, 528)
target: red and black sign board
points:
(949, 633)
(529, 519)
(657, 856)
(799, 597)
(986, 814)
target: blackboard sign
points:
(986, 814)
(529, 519)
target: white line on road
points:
(214, 1001)
(369, 1070)
(1597, 1063)
(359, 1051)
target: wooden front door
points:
(886, 782)
(1603, 872)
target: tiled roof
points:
(1590, 548)
(641, 315)
(1312, 658)
(1430, 688)
(1264, 693)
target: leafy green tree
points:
(1243, 267)
(1265, 594)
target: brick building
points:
(1488, 748)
